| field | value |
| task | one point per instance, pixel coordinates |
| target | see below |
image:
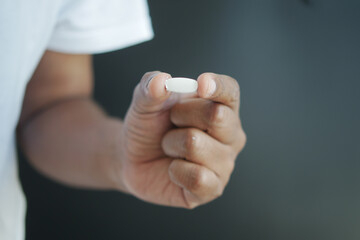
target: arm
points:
(65, 135)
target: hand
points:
(181, 151)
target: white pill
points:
(181, 85)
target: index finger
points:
(219, 88)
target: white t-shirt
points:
(27, 29)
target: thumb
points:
(150, 94)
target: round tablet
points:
(181, 85)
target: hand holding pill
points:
(183, 154)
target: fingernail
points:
(149, 80)
(146, 84)
(211, 87)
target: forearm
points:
(76, 143)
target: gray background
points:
(298, 65)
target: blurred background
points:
(298, 65)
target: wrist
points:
(114, 163)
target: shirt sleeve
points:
(96, 26)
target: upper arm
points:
(58, 77)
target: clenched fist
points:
(180, 150)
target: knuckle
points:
(198, 179)
(234, 83)
(219, 193)
(242, 140)
(218, 115)
(192, 205)
(191, 143)
(230, 165)
(235, 88)
(236, 93)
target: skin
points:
(170, 150)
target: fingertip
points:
(156, 86)
(206, 85)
